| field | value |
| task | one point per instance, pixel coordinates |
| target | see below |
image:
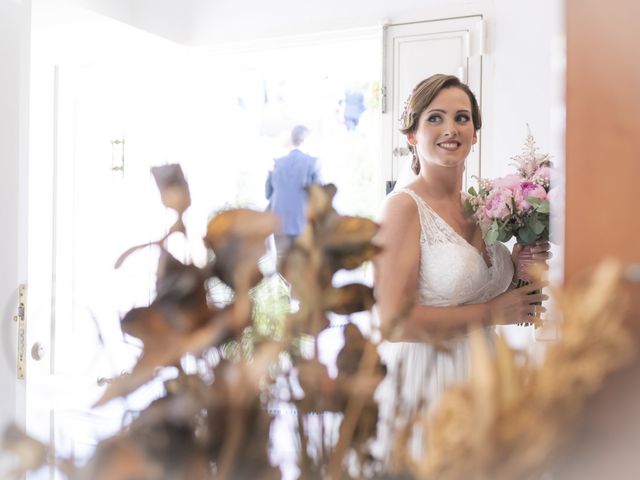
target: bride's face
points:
(445, 131)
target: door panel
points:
(87, 88)
(98, 211)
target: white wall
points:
(523, 88)
(119, 9)
(13, 141)
(172, 19)
(229, 20)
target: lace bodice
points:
(452, 271)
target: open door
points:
(92, 197)
(105, 202)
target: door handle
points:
(37, 351)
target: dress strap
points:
(431, 230)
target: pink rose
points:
(498, 204)
(528, 189)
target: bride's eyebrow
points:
(439, 110)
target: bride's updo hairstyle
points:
(420, 98)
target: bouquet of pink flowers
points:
(515, 205)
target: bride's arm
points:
(396, 283)
(513, 306)
(396, 266)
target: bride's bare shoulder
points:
(398, 203)
(399, 226)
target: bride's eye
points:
(462, 118)
(435, 118)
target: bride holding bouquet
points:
(437, 276)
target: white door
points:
(105, 202)
(414, 51)
(92, 197)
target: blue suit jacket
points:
(285, 189)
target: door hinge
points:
(22, 339)
(117, 161)
(383, 99)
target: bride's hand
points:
(525, 257)
(515, 306)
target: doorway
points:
(138, 102)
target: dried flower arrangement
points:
(505, 423)
(511, 417)
(219, 428)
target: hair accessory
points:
(406, 117)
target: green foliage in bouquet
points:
(516, 205)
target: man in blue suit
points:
(285, 189)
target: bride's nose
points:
(450, 130)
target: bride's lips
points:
(449, 145)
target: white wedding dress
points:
(452, 272)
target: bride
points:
(434, 258)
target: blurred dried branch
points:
(510, 418)
(215, 424)
(30, 454)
